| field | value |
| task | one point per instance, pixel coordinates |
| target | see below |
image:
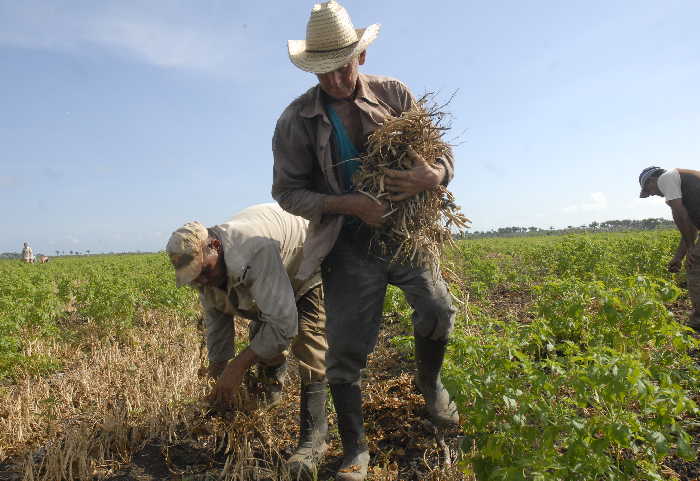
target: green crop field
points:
(569, 361)
(55, 300)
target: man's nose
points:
(335, 78)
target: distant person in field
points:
(248, 267)
(27, 254)
(315, 146)
(681, 189)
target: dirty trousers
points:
(354, 285)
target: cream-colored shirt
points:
(27, 253)
(262, 251)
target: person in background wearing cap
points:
(316, 141)
(27, 254)
(681, 189)
(247, 267)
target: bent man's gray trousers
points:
(354, 283)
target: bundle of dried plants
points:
(415, 228)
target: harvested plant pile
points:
(417, 227)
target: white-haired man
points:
(248, 267)
(316, 142)
(681, 189)
(27, 254)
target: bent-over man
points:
(681, 189)
(248, 267)
(315, 145)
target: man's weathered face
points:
(341, 82)
(652, 186)
(213, 271)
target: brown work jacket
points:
(305, 163)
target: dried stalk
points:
(415, 228)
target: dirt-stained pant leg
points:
(310, 345)
(426, 292)
(354, 285)
(694, 289)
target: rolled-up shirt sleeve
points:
(272, 290)
(292, 176)
(219, 331)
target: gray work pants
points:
(354, 283)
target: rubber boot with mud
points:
(313, 430)
(429, 356)
(347, 399)
(272, 379)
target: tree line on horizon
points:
(607, 226)
(60, 253)
(515, 231)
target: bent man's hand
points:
(407, 183)
(224, 392)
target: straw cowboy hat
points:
(331, 39)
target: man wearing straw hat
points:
(316, 141)
(681, 189)
(247, 267)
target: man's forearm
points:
(244, 360)
(688, 234)
(340, 204)
(302, 202)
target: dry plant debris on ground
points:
(416, 228)
(129, 409)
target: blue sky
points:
(121, 120)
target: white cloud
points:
(160, 44)
(146, 35)
(598, 202)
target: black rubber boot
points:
(313, 430)
(347, 399)
(429, 356)
(272, 379)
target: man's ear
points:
(361, 58)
